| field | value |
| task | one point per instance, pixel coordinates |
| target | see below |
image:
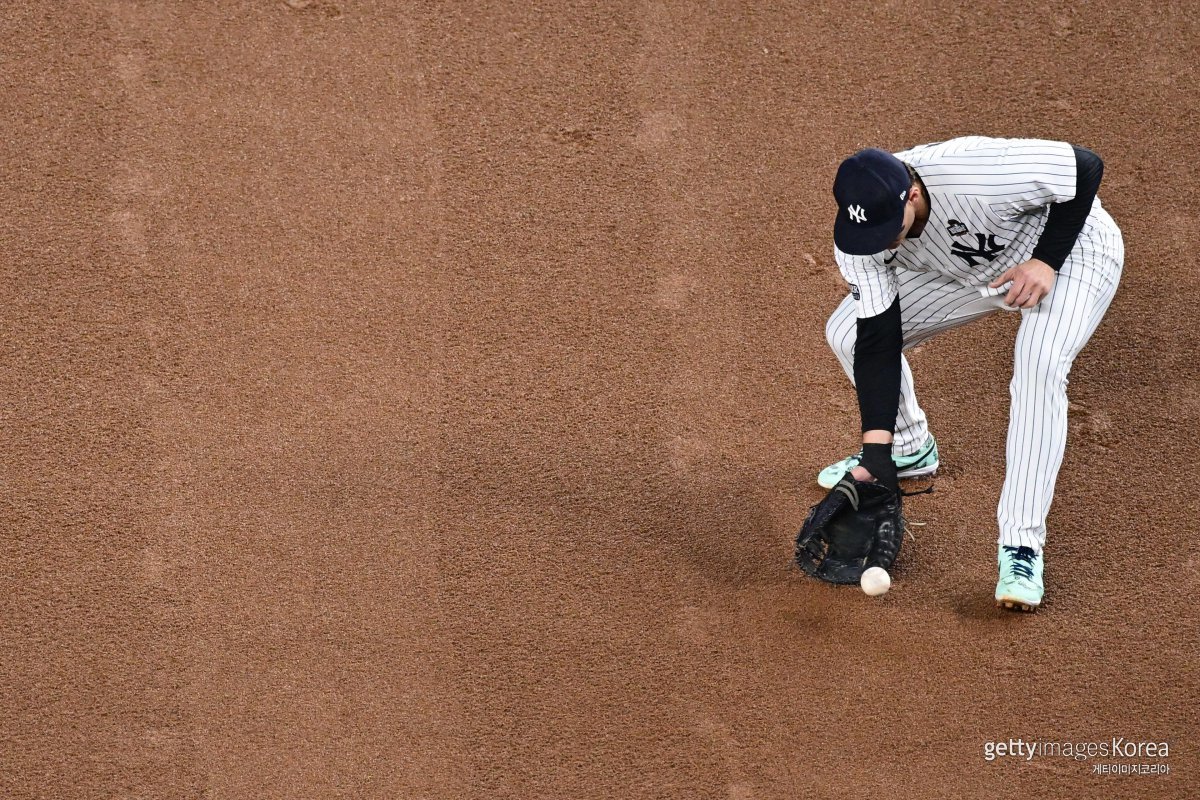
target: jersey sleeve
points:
(873, 284)
(1013, 176)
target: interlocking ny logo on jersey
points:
(988, 248)
(857, 213)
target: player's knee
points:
(840, 332)
(1045, 374)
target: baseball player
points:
(944, 234)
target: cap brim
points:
(856, 239)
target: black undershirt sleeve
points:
(877, 368)
(1066, 220)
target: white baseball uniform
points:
(989, 199)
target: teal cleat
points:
(1020, 586)
(923, 462)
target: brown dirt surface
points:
(419, 400)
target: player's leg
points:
(1050, 337)
(929, 304)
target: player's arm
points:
(1067, 219)
(879, 342)
(1032, 280)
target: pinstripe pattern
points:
(929, 304)
(997, 188)
(1050, 337)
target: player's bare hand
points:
(1031, 281)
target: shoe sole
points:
(1016, 605)
(919, 472)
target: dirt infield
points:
(418, 400)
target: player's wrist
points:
(877, 460)
(877, 436)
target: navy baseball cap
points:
(871, 189)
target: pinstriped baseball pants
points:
(1048, 340)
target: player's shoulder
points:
(966, 151)
(988, 165)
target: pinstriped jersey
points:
(988, 203)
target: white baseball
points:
(875, 581)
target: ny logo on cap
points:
(857, 213)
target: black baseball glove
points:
(858, 525)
